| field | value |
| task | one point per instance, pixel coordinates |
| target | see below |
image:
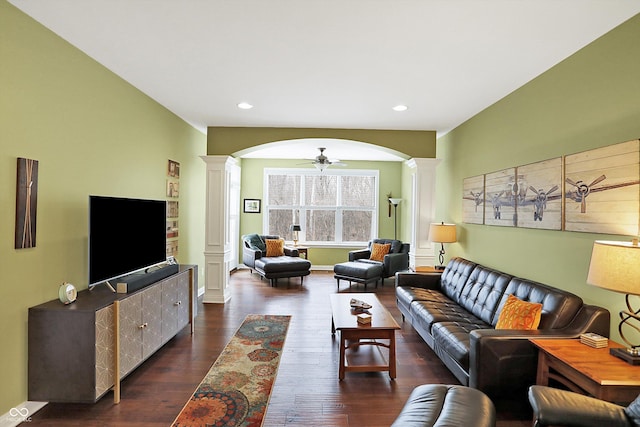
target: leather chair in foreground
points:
(431, 405)
(554, 407)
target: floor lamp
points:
(616, 266)
(442, 233)
(395, 203)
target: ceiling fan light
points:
(321, 166)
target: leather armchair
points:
(251, 252)
(554, 407)
(396, 260)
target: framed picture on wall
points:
(252, 205)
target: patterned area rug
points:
(236, 390)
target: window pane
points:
(321, 225)
(280, 221)
(356, 226)
(284, 190)
(358, 191)
(320, 190)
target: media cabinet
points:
(80, 351)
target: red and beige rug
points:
(236, 390)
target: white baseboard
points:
(20, 414)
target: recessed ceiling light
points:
(245, 106)
(400, 108)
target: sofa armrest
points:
(564, 408)
(501, 360)
(419, 280)
(394, 263)
(249, 256)
(359, 254)
(289, 251)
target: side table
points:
(427, 269)
(303, 250)
(587, 370)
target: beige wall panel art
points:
(473, 200)
(541, 187)
(501, 192)
(602, 190)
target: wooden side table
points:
(427, 269)
(303, 250)
(587, 370)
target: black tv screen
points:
(125, 235)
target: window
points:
(332, 207)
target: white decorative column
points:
(423, 188)
(217, 251)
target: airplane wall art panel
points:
(473, 200)
(602, 190)
(540, 205)
(501, 192)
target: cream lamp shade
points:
(615, 266)
(442, 233)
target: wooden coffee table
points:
(353, 335)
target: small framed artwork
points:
(173, 169)
(173, 189)
(252, 205)
(26, 203)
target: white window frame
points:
(338, 208)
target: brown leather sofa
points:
(455, 313)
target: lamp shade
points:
(442, 233)
(295, 227)
(394, 201)
(615, 266)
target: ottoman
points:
(446, 405)
(359, 272)
(274, 268)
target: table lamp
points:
(295, 228)
(442, 233)
(616, 266)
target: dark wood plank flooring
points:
(307, 391)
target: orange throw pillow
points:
(518, 314)
(275, 247)
(379, 250)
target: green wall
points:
(589, 100)
(252, 188)
(92, 133)
(229, 140)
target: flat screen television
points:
(125, 235)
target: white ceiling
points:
(329, 63)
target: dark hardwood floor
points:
(307, 391)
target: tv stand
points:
(79, 352)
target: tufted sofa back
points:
(455, 276)
(558, 307)
(483, 292)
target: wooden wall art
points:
(501, 193)
(601, 188)
(473, 200)
(595, 191)
(541, 203)
(26, 203)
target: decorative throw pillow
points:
(275, 247)
(378, 251)
(518, 314)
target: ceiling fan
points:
(321, 162)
